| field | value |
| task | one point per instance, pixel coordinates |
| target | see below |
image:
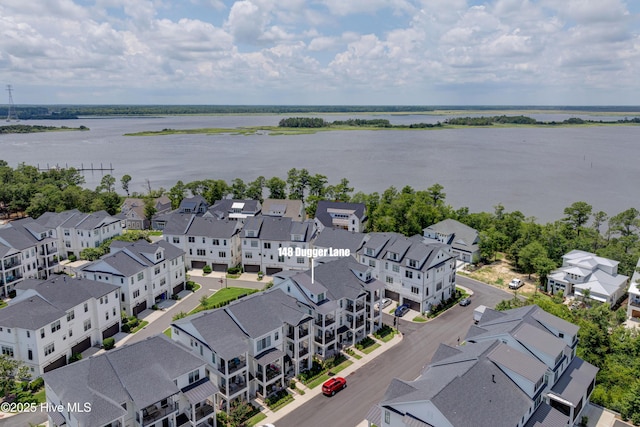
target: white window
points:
(396, 268)
(300, 260)
(86, 307)
(192, 239)
(389, 279)
(70, 315)
(408, 274)
(136, 293)
(7, 351)
(222, 254)
(201, 252)
(267, 245)
(176, 240)
(55, 326)
(413, 263)
(49, 349)
(87, 325)
(248, 255)
(264, 343)
(254, 243)
(215, 242)
(415, 290)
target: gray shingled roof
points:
(291, 208)
(142, 372)
(31, 313)
(212, 227)
(339, 239)
(461, 236)
(546, 416)
(325, 218)
(575, 380)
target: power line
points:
(11, 110)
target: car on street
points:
(515, 284)
(465, 302)
(384, 302)
(402, 310)
(333, 385)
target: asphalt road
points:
(405, 361)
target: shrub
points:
(179, 315)
(154, 307)
(73, 258)
(75, 357)
(206, 269)
(36, 384)
(108, 343)
(12, 293)
(191, 285)
(125, 328)
(234, 270)
(292, 383)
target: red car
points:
(332, 385)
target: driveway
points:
(405, 360)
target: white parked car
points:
(515, 283)
(385, 302)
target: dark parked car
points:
(402, 310)
(465, 302)
(333, 385)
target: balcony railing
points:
(155, 412)
(359, 306)
(359, 323)
(328, 321)
(203, 411)
(271, 373)
(232, 389)
(11, 263)
(303, 351)
(633, 302)
(327, 338)
(303, 332)
(234, 365)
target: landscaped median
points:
(219, 299)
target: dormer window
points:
(368, 251)
(393, 256)
(251, 233)
(413, 263)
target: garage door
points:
(391, 295)
(56, 364)
(251, 268)
(219, 267)
(139, 308)
(413, 305)
(271, 271)
(178, 289)
(111, 331)
(81, 346)
(198, 264)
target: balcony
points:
(232, 389)
(272, 372)
(327, 338)
(359, 306)
(9, 264)
(327, 321)
(203, 411)
(234, 365)
(634, 302)
(303, 332)
(153, 413)
(359, 322)
(303, 351)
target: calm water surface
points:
(536, 171)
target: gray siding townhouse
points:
(77, 231)
(463, 239)
(415, 271)
(284, 208)
(342, 295)
(266, 239)
(152, 383)
(133, 212)
(205, 240)
(251, 345)
(518, 368)
(633, 307)
(337, 238)
(237, 210)
(50, 320)
(38, 249)
(146, 273)
(348, 216)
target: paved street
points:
(405, 361)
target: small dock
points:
(89, 168)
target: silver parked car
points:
(385, 302)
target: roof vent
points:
(493, 378)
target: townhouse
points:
(234, 209)
(205, 240)
(286, 208)
(463, 239)
(341, 294)
(251, 345)
(152, 383)
(77, 231)
(415, 271)
(586, 274)
(347, 216)
(146, 273)
(133, 212)
(269, 244)
(517, 368)
(27, 250)
(50, 320)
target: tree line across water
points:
(531, 247)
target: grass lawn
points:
(324, 377)
(419, 319)
(223, 297)
(196, 286)
(369, 349)
(40, 396)
(141, 325)
(167, 332)
(256, 419)
(2, 304)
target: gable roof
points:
(142, 372)
(458, 235)
(287, 208)
(323, 215)
(338, 238)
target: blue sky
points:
(426, 52)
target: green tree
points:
(317, 184)
(342, 190)
(528, 256)
(107, 183)
(238, 188)
(11, 370)
(436, 193)
(626, 223)
(277, 188)
(176, 194)
(149, 208)
(124, 182)
(254, 189)
(577, 215)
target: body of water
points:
(537, 171)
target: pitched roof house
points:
(150, 383)
(463, 239)
(286, 208)
(633, 307)
(133, 211)
(586, 273)
(518, 368)
(348, 216)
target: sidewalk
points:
(299, 400)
